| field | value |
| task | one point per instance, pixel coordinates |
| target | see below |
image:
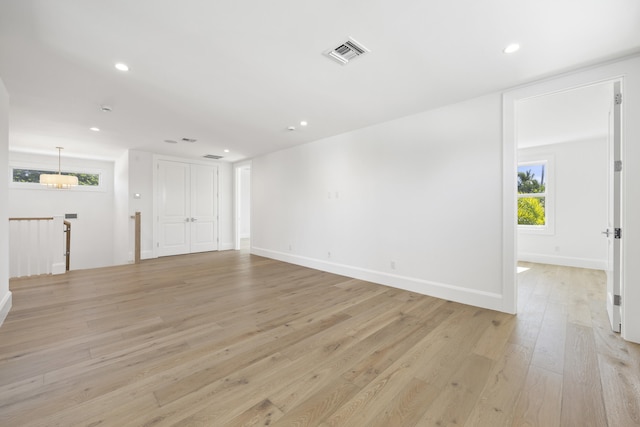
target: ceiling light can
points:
(513, 47)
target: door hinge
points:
(617, 300)
(617, 165)
(617, 233)
(618, 98)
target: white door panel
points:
(203, 208)
(173, 209)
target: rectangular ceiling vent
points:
(212, 156)
(347, 51)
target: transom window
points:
(33, 176)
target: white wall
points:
(122, 223)
(225, 203)
(245, 202)
(579, 208)
(92, 234)
(5, 294)
(414, 203)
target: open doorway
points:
(567, 193)
(243, 206)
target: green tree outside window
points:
(531, 195)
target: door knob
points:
(606, 232)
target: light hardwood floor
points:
(231, 339)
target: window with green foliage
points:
(532, 194)
(33, 176)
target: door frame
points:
(156, 196)
(510, 164)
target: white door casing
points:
(187, 208)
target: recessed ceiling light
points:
(226, 151)
(122, 67)
(303, 123)
(291, 128)
(170, 141)
(513, 47)
(95, 129)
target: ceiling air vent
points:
(212, 156)
(347, 51)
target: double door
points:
(187, 208)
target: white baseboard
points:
(595, 264)
(226, 246)
(59, 267)
(5, 306)
(146, 254)
(459, 294)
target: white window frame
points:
(101, 187)
(549, 194)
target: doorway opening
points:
(566, 142)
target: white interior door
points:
(203, 219)
(173, 208)
(613, 231)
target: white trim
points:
(510, 205)
(489, 300)
(227, 246)
(59, 267)
(591, 263)
(5, 306)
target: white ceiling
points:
(234, 74)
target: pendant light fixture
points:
(58, 180)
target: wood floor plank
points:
(540, 401)
(229, 338)
(582, 399)
(496, 404)
(458, 398)
(319, 406)
(621, 391)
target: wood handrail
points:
(136, 255)
(43, 218)
(67, 229)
